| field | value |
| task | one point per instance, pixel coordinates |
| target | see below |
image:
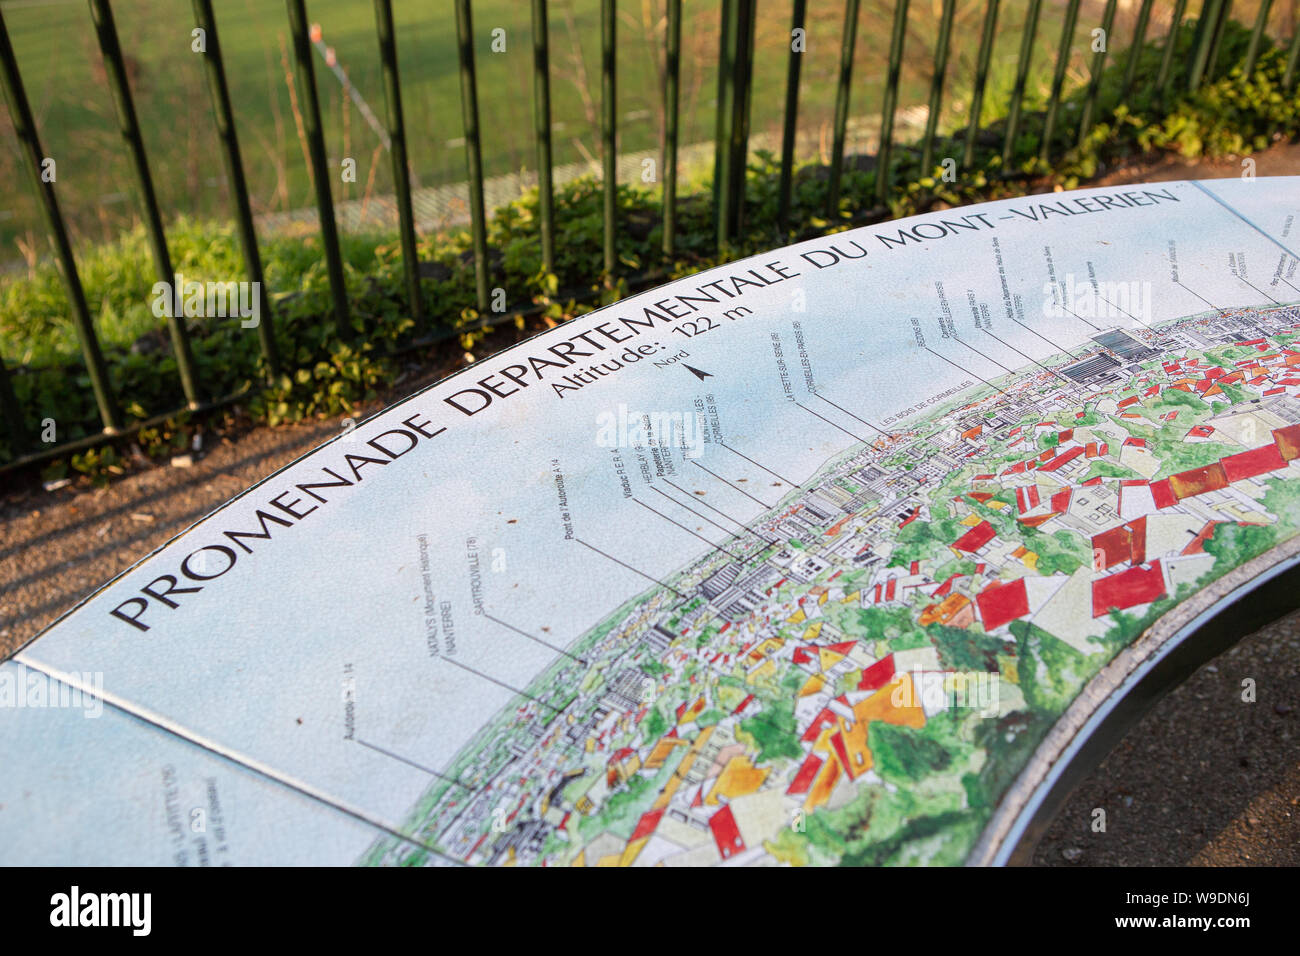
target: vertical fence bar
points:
(721, 115)
(13, 414)
(542, 127)
(842, 108)
(672, 87)
(473, 149)
(738, 153)
(609, 130)
(310, 105)
(1027, 34)
(1225, 14)
(25, 129)
(397, 150)
(225, 120)
(1252, 52)
(791, 126)
(1098, 65)
(1165, 76)
(1293, 55)
(728, 51)
(1208, 16)
(1198, 31)
(1135, 51)
(936, 85)
(884, 167)
(1058, 78)
(129, 124)
(981, 78)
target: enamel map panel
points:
(799, 560)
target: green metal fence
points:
(734, 89)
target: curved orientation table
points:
(859, 551)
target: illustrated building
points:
(1128, 348)
(719, 580)
(1093, 368)
(658, 638)
(624, 691)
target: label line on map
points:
(851, 415)
(716, 547)
(500, 683)
(965, 370)
(1052, 371)
(1258, 289)
(592, 547)
(726, 482)
(1068, 354)
(411, 763)
(1119, 308)
(832, 424)
(534, 637)
(988, 358)
(717, 511)
(1179, 282)
(793, 484)
(727, 531)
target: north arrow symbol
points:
(697, 373)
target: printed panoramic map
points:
(796, 561)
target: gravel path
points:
(1203, 779)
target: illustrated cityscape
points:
(858, 675)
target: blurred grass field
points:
(65, 82)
